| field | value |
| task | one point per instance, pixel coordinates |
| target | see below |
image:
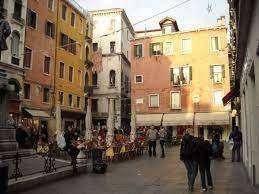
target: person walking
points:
(236, 136)
(189, 158)
(162, 137)
(152, 136)
(204, 151)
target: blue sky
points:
(192, 14)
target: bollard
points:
(3, 177)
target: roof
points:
(173, 21)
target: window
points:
(72, 46)
(215, 43)
(217, 73)
(95, 79)
(154, 100)
(78, 102)
(112, 78)
(61, 69)
(79, 77)
(46, 95)
(73, 18)
(186, 45)
(70, 100)
(181, 75)
(50, 29)
(95, 105)
(139, 78)
(61, 97)
(27, 91)
(70, 74)
(139, 101)
(167, 29)
(217, 97)
(175, 100)
(17, 14)
(95, 47)
(51, 4)
(27, 57)
(64, 41)
(156, 48)
(112, 47)
(15, 45)
(46, 65)
(168, 48)
(138, 50)
(31, 18)
(64, 12)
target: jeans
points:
(152, 147)
(204, 169)
(192, 171)
(236, 151)
(162, 144)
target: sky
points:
(193, 14)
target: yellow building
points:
(73, 62)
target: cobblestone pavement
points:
(150, 176)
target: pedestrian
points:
(188, 156)
(152, 136)
(162, 137)
(204, 152)
(236, 136)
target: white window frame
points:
(30, 68)
(213, 78)
(172, 49)
(52, 7)
(219, 45)
(185, 51)
(142, 79)
(171, 100)
(44, 65)
(158, 100)
(214, 101)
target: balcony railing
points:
(18, 18)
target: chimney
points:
(221, 21)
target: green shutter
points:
(223, 71)
(151, 49)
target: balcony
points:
(88, 90)
(3, 13)
(88, 64)
(18, 18)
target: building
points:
(112, 32)
(11, 60)
(244, 25)
(179, 78)
(71, 64)
(39, 62)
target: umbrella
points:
(110, 122)
(88, 122)
(133, 127)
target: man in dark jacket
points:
(188, 156)
(204, 152)
(236, 136)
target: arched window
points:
(15, 44)
(86, 79)
(112, 78)
(87, 52)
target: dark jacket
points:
(236, 136)
(186, 147)
(204, 151)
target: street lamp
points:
(196, 100)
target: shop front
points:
(73, 119)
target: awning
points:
(37, 113)
(148, 119)
(178, 119)
(214, 118)
(231, 95)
